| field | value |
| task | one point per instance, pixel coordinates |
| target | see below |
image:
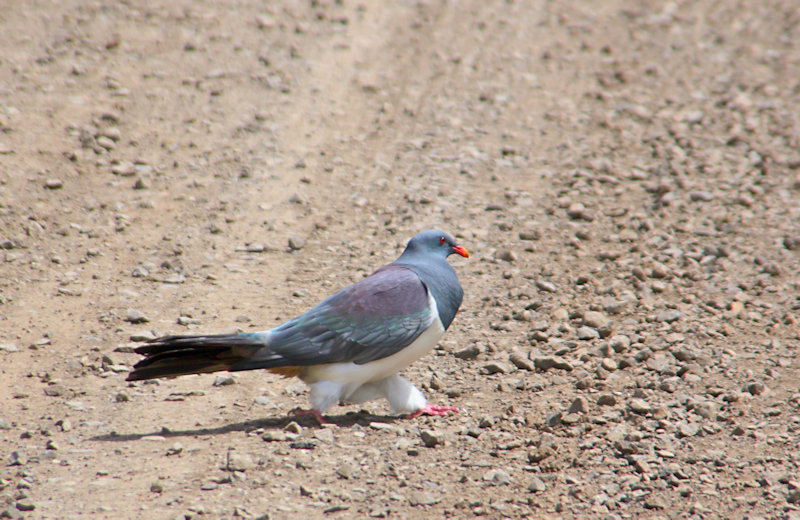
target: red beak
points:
(461, 251)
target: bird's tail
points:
(171, 356)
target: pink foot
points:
(318, 416)
(430, 409)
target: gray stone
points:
(498, 477)
(545, 286)
(274, 436)
(587, 333)
(507, 255)
(595, 319)
(545, 363)
(175, 449)
(303, 445)
(536, 485)
(669, 316)
(701, 196)
(174, 278)
(641, 465)
(423, 498)
(11, 513)
(578, 211)
(554, 419)
(140, 272)
(639, 406)
(606, 400)
(521, 361)
(688, 429)
(657, 363)
(123, 168)
(619, 343)
(431, 438)
(9, 347)
(224, 380)
(496, 367)
(293, 427)
(467, 353)
(237, 461)
(346, 470)
(187, 320)
(255, 247)
(17, 458)
(135, 316)
(579, 405)
(706, 410)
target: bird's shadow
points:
(347, 420)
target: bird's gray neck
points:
(442, 282)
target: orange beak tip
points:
(461, 251)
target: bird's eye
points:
(442, 240)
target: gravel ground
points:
(626, 176)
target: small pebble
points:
(595, 319)
(422, 498)
(303, 445)
(579, 405)
(756, 388)
(639, 406)
(175, 449)
(587, 333)
(237, 461)
(498, 477)
(431, 438)
(536, 485)
(669, 316)
(544, 285)
(688, 429)
(135, 316)
(506, 255)
(467, 353)
(606, 400)
(496, 367)
(521, 361)
(346, 470)
(17, 458)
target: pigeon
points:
(348, 348)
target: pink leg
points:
(318, 416)
(430, 409)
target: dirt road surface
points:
(626, 176)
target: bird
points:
(350, 347)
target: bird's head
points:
(434, 242)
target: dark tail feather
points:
(171, 356)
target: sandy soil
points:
(626, 176)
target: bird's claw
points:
(317, 415)
(430, 409)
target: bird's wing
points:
(369, 320)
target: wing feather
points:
(369, 320)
